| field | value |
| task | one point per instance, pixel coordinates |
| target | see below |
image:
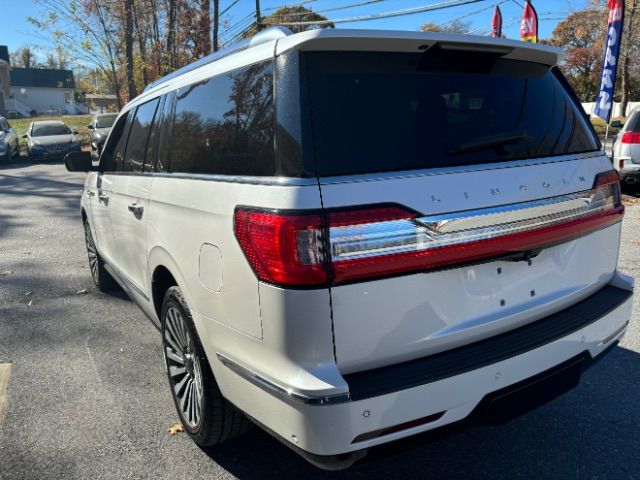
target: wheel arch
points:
(164, 274)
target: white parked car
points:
(9, 144)
(351, 237)
(626, 149)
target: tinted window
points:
(49, 130)
(112, 155)
(225, 125)
(137, 145)
(374, 112)
(105, 121)
(635, 118)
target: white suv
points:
(626, 149)
(350, 237)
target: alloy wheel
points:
(183, 365)
(92, 252)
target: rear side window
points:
(375, 112)
(635, 125)
(225, 125)
(134, 159)
(113, 155)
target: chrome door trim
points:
(133, 286)
(279, 390)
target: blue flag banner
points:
(604, 102)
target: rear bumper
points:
(396, 407)
(630, 176)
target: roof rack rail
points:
(268, 35)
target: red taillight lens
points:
(283, 249)
(382, 241)
(630, 137)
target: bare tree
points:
(128, 47)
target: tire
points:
(102, 279)
(207, 417)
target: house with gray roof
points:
(44, 91)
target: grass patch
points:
(600, 126)
(74, 122)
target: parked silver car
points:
(9, 146)
(100, 127)
(626, 149)
(50, 139)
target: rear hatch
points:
(465, 195)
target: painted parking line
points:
(5, 373)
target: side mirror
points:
(75, 132)
(617, 124)
(78, 162)
(25, 136)
(90, 127)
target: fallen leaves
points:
(5, 273)
(175, 429)
(83, 291)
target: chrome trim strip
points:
(130, 283)
(504, 214)
(615, 334)
(279, 390)
(433, 232)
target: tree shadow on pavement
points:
(591, 432)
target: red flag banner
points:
(496, 23)
(529, 25)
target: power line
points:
(462, 17)
(326, 10)
(391, 14)
(229, 7)
(298, 4)
(239, 25)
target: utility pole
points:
(258, 17)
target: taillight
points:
(630, 137)
(283, 249)
(381, 241)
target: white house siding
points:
(45, 100)
(588, 107)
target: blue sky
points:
(16, 31)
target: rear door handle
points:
(103, 197)
(136, 209)
(90, 193)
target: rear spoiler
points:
(405, 41)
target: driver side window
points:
(113, 154)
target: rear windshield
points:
(49, 130)
(375, 112)
(105, 121)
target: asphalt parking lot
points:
(87, 396)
